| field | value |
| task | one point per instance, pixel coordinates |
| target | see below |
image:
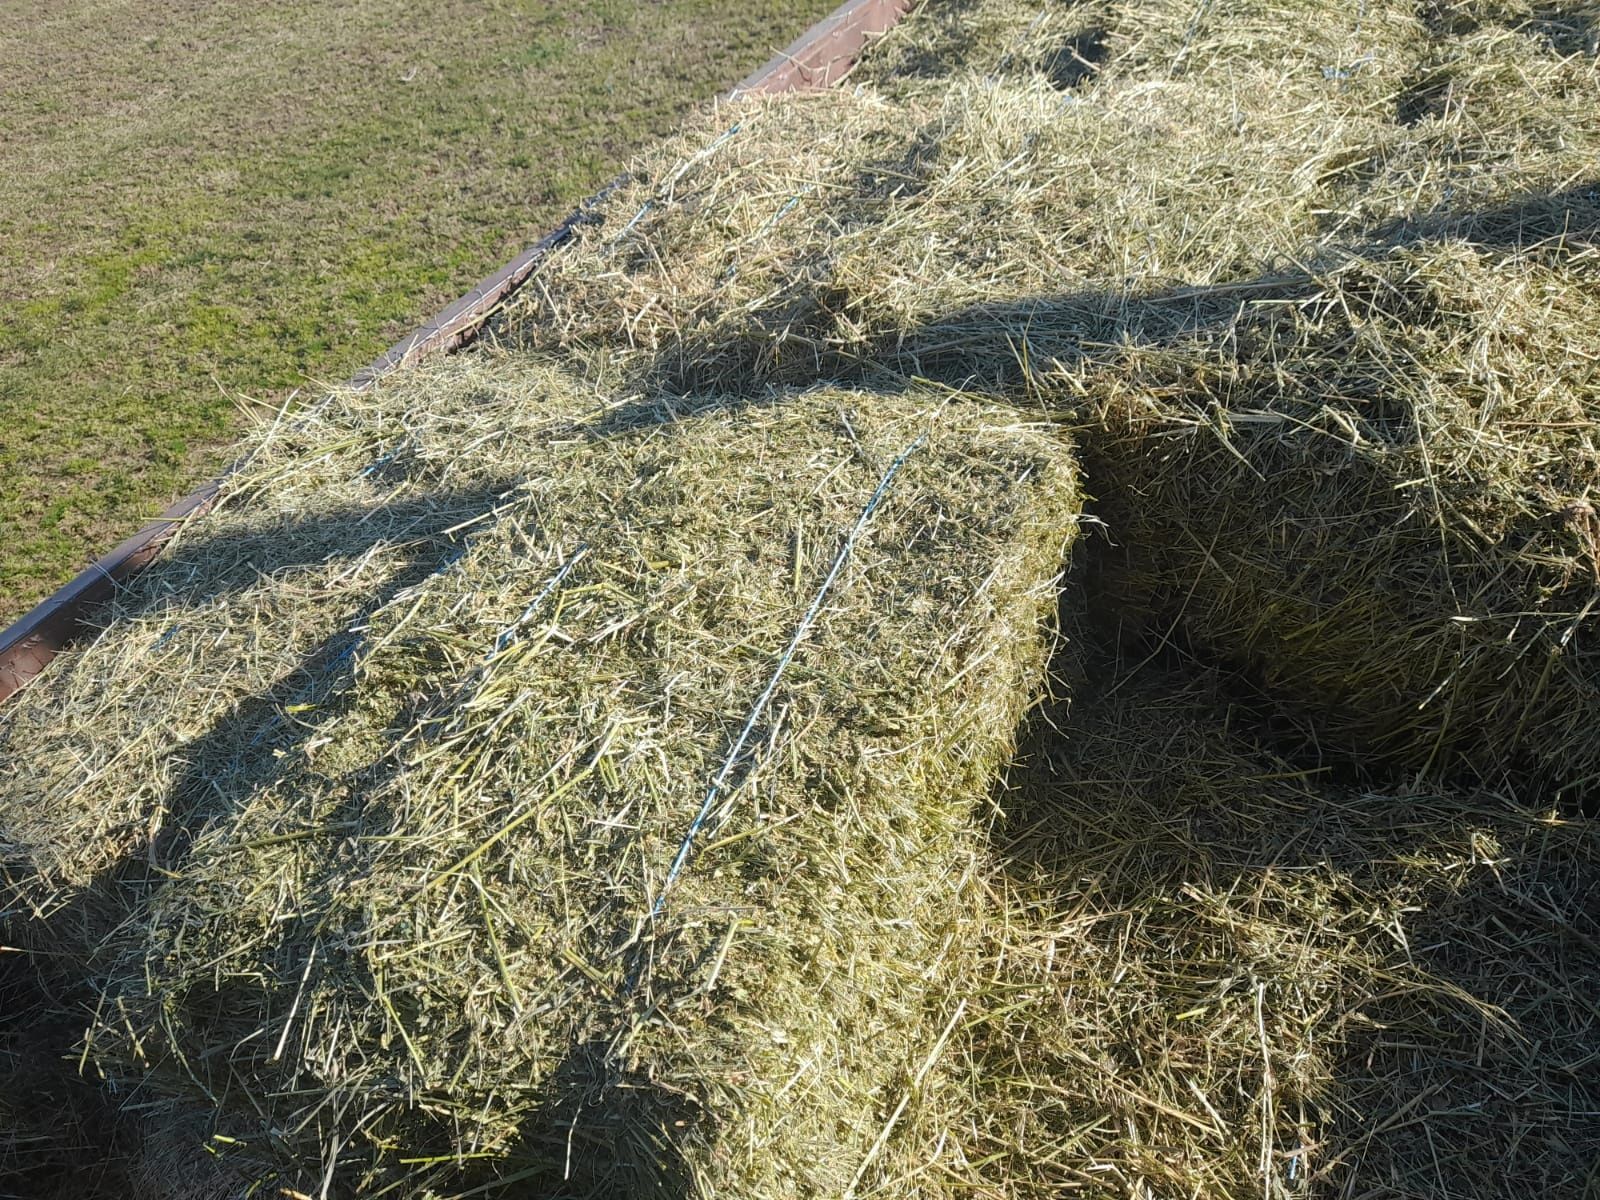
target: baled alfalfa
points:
(1226, 973)
(957, 222)
(1203, 182)
(433, 940)
(1378, 498)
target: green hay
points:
(1311, 288)
(410, 938)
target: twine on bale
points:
(801, 630)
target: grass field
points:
(204, 203)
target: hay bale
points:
(1227, 974)
(1378, 498)
(409, 934)
(954, 222)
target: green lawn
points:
(204, 201)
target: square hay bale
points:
(1379, 498)
(978, 220)
(1227, 973)
(468, 910)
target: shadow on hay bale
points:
(602, 1133)
(405, 944)
(210, 586)
(1343, 494)
(55, 1129)
(75, 873)
(1369, 482)
(1227, 973)
(64, 1136)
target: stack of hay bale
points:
(1318, 284)
(504, 791)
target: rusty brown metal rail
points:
(818, 58)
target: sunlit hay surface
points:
(1318, 279)
(1226, 975)
(414, 944)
